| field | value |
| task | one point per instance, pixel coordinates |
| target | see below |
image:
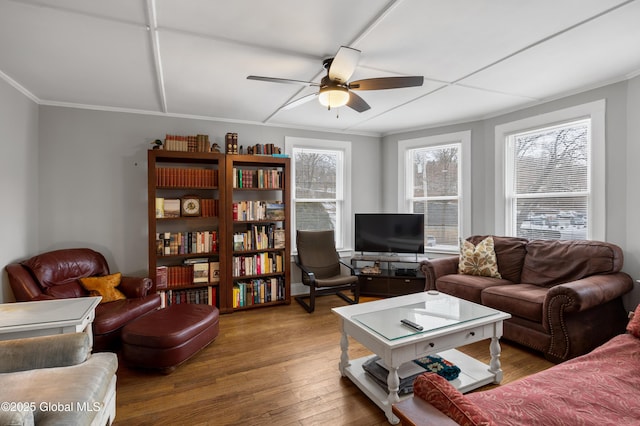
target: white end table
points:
(46, 317)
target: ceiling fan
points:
(335, 90)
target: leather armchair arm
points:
(436, 268)
(60, 350)
(24, 287)
(580, 295)
(135, 287)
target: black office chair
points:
(322, 269)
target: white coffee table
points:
(448, 323)
(46, 317)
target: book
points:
(214, 272)
(279, 238)
(201, 272)
(159, 207)
(162, 273)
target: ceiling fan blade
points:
(344, 64)
(357, 103)
(386, 83)
(282, 80)
(299, 101)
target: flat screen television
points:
(389, 232)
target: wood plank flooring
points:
(272, 366)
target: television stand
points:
(398, 275)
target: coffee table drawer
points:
(454, 340)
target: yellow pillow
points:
(104, 286)
(478, 260)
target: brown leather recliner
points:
(564, 297)
(55, 275)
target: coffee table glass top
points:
(434, 313)
(45, 311)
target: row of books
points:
(180, 177)
(259, 237)
(263, 149)
(192, 143)
(194, 271)
(203, 296)
(170, 207)
(174, 243)
(260, 178)
(258, 210)
(254, 292)
(258, 264)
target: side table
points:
(46, 317)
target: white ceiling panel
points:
(606, 49)
(192, 57)
(74, 58)
(451, 104)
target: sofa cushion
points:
(63, 395)
(66, 265)
(522, 300)
(478, 259)
(599, 388)
(468, 287)
(66, 291)
(441, 394)
(105, 286)
(510, 252)
(112, 316)
(548, 263)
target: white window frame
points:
(464, 181)
(343, 229)
(596, 204)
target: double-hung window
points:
(320, 193)
(436, 183)
(550, 168)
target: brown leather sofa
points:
(565, 297)
(55, 275)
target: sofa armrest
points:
(436, 268)
(589, 292)
(31, 353)
(135, 287)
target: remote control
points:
(411, 324)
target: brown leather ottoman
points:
(168, 337)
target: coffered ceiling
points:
(191, 58)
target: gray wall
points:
(18, 180)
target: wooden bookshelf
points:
(259, 267)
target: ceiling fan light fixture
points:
(333, 97)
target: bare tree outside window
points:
(435, 192)
(316, 194)
(550, 187)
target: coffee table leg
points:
(494, 365)
(393, 382)
(344, 353)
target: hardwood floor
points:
(272, 366)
